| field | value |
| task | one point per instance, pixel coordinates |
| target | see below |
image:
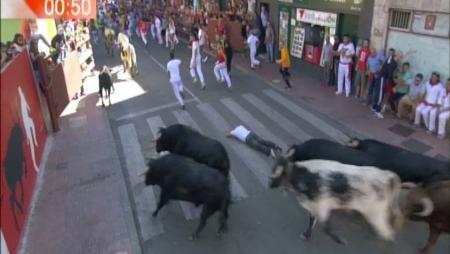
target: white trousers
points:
(425, 111)
(152, 30)
(443, 119)
(177, 89)
(220, 71)
(144, 37)
(253, 60)
(197, 67)
(343, 76)
(158, 34)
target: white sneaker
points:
(194, 80)
(338, 93)
(379, 115)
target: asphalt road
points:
(261, 220)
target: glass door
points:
(283, 31)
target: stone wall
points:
(381, 15)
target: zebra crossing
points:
(210, 119)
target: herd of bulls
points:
(363, 175)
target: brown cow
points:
(433, 202)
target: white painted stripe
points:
(237, 192)
(308, 116)
(259, 167)
(189, 210)
(251, 122)
(150, 110)
(282, 121)
(145, 199)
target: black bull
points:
(181, 178)
(183, 140)
(409, 166)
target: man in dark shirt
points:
(386, 77)
(58, 42)
(335, 65)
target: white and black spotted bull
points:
(411, 167)
(183, 140)
(322, 186)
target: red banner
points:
(23, 140)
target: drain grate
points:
(415, 146)
(401, 130)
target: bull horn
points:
(353, 142)
(278, 172)
(290, 152)
(427, 205)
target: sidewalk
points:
(348, 111)
(82, 204)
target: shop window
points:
(400, 19)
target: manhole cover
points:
(415, 145)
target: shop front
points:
(305, 24)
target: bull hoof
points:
(193, 237)
(305, 236)
(154, 214)
(342, 241)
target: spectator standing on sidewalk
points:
(196, 61)
(254, 141)
(173, 69)
(285, 63)
(346, 51)
(444, 111)
(335, 61)
(374, 63)
(269, 42)
(143, 28)
(386, 74)
(253, 42)
(402, 84)
(361, 69)
(430, 103)
(408, 103)
(327, 61)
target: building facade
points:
(419, 30)
(304, 25)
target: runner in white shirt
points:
(429, 105)
(158, 30)
(196, 61)
(252, 42)
(346, 50)
(173, 68)
(202, 39)
(254, 141)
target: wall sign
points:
(316, 17)
(298, 40)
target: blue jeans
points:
(269, 50)
(378, 93)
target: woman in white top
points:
(254, 141)
(196, 61)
